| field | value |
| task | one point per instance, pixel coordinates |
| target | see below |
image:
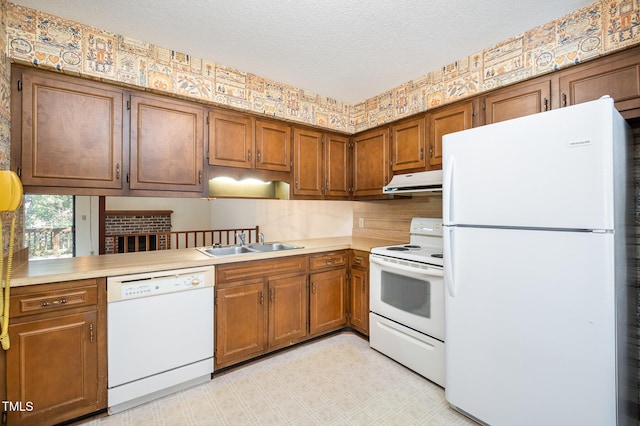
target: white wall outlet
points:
(361, 222)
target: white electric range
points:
(407, 300)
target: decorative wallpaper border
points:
(56, 43)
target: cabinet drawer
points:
(329, 260)
(261, 268)
(359, 259)
(50, 301)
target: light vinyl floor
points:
(338, 380)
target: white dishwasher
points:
(160, 334)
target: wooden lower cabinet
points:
(56, 364)
(260, 306)
(358, 308)
(328, 292)
(287, 310)
(239, 323)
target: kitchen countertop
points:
(75, 268)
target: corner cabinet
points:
(167, 139)
(371, 168)
(69, 130)
(56, 365)
(321, 165)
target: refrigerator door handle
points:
(448, 194)
(448, 264)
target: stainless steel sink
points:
(251, 248)
(272, 247)
(225, 251)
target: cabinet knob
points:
(118, 171)
(249, 155)
(564, 99)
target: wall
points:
(278, 219)
(281, 220)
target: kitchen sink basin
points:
(272, 247)
(251, 248)
(225, 251)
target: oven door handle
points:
(393, 265)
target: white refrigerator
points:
(536, 302)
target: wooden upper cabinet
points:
(517, 101)
(308, 162)
(407, 145)
(336, 166)
(71, 131)
(447, 120)
(167, 138)
(230, 139)
(617, 76)
(371, 168)
(273, 146)
(321, 164)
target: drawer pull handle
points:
(357, 260)
(54, 302)
(330, 262)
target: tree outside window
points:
(48, 225)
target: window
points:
(48, 225)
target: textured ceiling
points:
(343, 49)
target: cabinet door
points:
(287, 310)
(53, 365)
(307, 169)
(336, 166)
(617, 76)
(359, 292)
(327, 301)
(71, 132)
(240, 323)
(443, 121)
(407, 145)
(166, 144)
(370, 162)
(273, 146)
(230, 139)
(517, 101)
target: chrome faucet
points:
(261, 238)
(243, 238)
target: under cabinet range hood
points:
(420, 183)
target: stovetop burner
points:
(397, 248)
(412, 246)
(437, 255)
